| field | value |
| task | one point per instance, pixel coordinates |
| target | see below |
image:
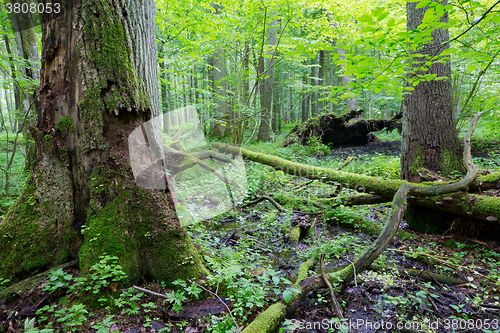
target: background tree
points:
(81, 174)
(429, 136)
(266, 81)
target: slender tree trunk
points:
(220, 87)
(321, 79)
(352, 103)
(429, 137)
(98, 88)
(164, 97)
(277, 102)
(1, 113)
(266, 87)
(314, 83)
(305, 99)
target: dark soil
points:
(376, 302)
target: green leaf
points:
(495, 19)
(424, 3)
(391, 22)
(287, 295)
(471, 68)
(367, 29)
(377, 11)
(365, 18)
(382, 16)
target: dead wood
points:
(336, 307)
(337, 131)
(269, 319)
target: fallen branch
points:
(447, 263)
(220, 300)
(336, 307)
(428, 276)
(149, 292)
(277, 311)
(465, 204)
(262, 198)
(271, 318)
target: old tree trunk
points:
(429, 135)
(429, 138)
(98, 83)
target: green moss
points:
(450, 163)
(138, 227)
(65, 125)
(37, 232)
(295, 236)
(104, 48)
(492, 177)
(418, 162)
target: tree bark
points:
(98, 84)
(267, 83)
(221, 112)
(305, 99)
(429, 134)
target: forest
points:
(251, 166)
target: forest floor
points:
(422, 283)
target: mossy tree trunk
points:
(98, 83)
(429, 135)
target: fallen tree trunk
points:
(269, 320)
(465, 204)
(337, 132)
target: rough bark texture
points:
(266, 85)
(429, 136)
(98, 83)
(337, 132)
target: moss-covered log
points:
(466, 204)
(336, 131)
(399, 204)
(271, 318)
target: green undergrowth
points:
(15, 177)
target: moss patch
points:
(37, 232)
(449, 163)
(139, 227)
(418, 162)
(65, 125)
(106, 62)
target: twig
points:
(327, 282)
(354, 268)
(214, 294)
(444, 262)
(150, 292)
(265, 197)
